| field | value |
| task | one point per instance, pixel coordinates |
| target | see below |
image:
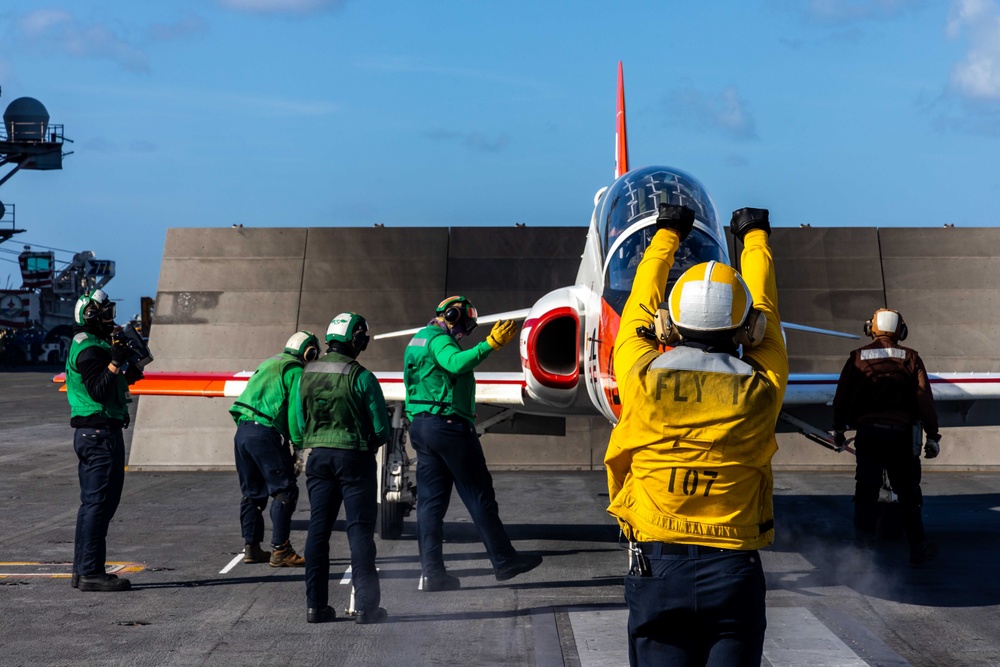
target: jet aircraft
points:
(567, 338)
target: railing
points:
(31, 132)
(7, 219)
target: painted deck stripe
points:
(795, 637)
(601, 637)
(232, 564)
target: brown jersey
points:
(884, 383)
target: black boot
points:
(374, 616)
(441, 582)
(103, 583)
(323, 615)
(520, 565)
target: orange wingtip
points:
(209, 384)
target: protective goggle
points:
(107, 310)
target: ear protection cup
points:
(312, 354)
(868, 328)
(904, 332)
(751, 332)
(452, 315)
(360, 339)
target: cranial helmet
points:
(459, 312)
(304, 345)
(349, 328)
(94, 307)
(711, 301)
(886, 322)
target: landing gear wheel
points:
(390, 520)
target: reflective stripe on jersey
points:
(883, 353)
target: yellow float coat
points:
(689, 461)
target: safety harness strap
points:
(254, 410)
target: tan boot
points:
(285, 556)
(252, 553)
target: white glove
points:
(932, 448)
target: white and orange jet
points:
(567, 339)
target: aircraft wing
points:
(485, 319)
(811, 388)
(491, 388)
(961, 399)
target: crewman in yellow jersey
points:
(689, 462)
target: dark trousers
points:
(883, 449)
(335, 476)
(449, 454)
(266, 468)
(697, 610)
(101, 452)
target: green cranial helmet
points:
(93, 307)
(456, 308)
(304, 345)
(349, 328)
(459, 313)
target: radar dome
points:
(26, 119)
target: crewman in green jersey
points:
(97, 377)
(264, 459)
(441, 406)
(342, 420)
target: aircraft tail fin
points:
(621, 140)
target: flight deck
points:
(176, 534)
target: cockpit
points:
(626, 216)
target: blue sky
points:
(206, 113)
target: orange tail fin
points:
(621, 140)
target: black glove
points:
(933, 447)
(119, 351)
(746, 219)
(133, 374)
(839, 439)
(678, 218)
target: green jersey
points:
(438, 374)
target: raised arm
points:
(757, 269)
(649, 288)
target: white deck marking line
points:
(601, 637)
(794, 637)
(231, 565)
(346, 579)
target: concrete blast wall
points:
(229, 298)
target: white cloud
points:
(725, 112)
(38, 22)
(298, 7)
(977, 77)
(62, 31)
